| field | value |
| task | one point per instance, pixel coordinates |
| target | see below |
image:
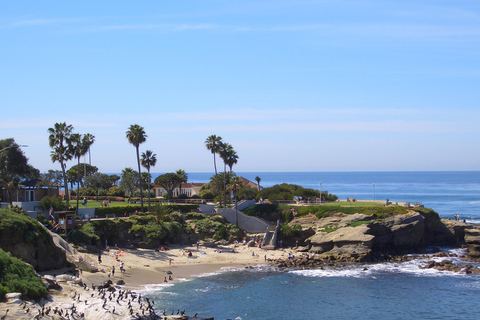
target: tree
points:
(129, 181)
(213, 144)
(98, 181)
(149, 159)
(84, 170)
(258, 179)
(182, 177)
(79, 145)
(136, 136)
(168, 181)
(14, 166)
(224, 150)
(58, 141)
(51, 179)
(114, 178)
(235, 184)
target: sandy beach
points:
(142, 267)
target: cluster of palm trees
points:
(136, 135)
(229, 156)
(67, 145)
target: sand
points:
(142, 267)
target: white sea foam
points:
(372, 270)
(157, 286)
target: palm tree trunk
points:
(215, 166)
(140, 178)
(224, 185)
(148, 189)
(78, 181)
(65, 182)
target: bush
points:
(55, 202)
(116, 191)
(17, 276)
(261, 210)
(195, 216)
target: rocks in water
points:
(448, 265)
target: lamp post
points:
(373, 191)
(320, 192)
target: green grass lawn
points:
(99, 204)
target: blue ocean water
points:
(375, 291)
(372, 291)
(446, 192)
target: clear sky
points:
(292, 85)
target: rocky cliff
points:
(26, 239)
(361, 237)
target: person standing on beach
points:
(99, 258)
(113, 271)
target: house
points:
(193, 188)
(28, 195)
(188, 188)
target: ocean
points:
(369, 291)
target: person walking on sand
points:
(113, 271)
(99, 258)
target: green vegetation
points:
(357, 223)
(55, 202)
(17, 276)
(380, 211)
(285, 212)
(22, 223)
(286, 191)
(329, 229)
(288, 231)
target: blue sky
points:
(292, 85)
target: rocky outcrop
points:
(33, 245)
(360, 237)
(472, 240)
(447, 265)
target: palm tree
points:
(213, 144)
(258, 179)
(232, 158)
(79, 146)
(182, 177)
(149, 159)
(58, 141)
(235, 184)
(224, 150)
(136, 136)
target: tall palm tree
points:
(149, 159)
(79, 146)
(232, 158)
(224, 150)
(182, 177)
(136, 136)
(58, 141)
(235, 184)
(213, 144)
(258, 179)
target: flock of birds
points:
(98, 299)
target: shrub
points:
(17, 276)
(261, 209)
(195, 216)
(55, 202)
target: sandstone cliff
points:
(361, 237)
(26, 239)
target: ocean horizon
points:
(446, 192)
